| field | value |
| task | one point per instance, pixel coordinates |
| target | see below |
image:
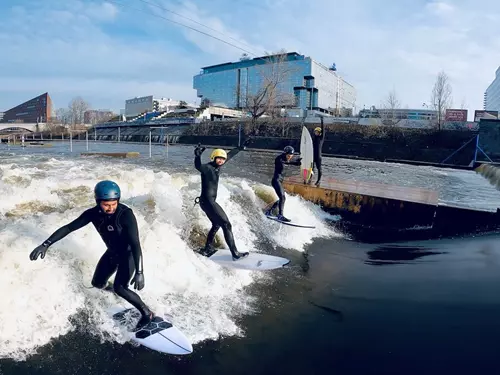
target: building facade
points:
(492, 94)
(137, 106)
(36, 110)
(399, 114)
(302, 83)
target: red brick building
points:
(35, 110)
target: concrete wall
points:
(374, 142)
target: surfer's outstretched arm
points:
(231, 154)
(197, 157)
(62, 232)
(322, 130)
(296, 162)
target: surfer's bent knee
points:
(97, 285)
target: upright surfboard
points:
(254, 261)
(159, 335)
(307, 155)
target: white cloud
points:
(188, 11)
(440, 8)
(105, 11)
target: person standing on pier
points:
(117, 226)
(285, 158)
(209, 186)
(318, 139)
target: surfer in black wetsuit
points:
(209, 186)
(279, 165)
(318, 139)
(117, 225)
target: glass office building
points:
(492, 94)
(305, 83)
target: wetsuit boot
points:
(282, 218)
(269, 212)
(208, 251)
(237, 255)
(147, 316)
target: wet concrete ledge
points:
(112, 154)
(380, 212)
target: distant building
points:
(95, 116)
(36, 110)
(309, 85)
(399, 114)
(1, 116)
(136, 106)
(492, 94)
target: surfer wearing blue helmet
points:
(285, 158)
(209, 186)
(117, 226)
(318, 139)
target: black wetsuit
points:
(123, 255)
(318, 141)
(279, 166)
(216, 215)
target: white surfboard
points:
(159, 335)
(254, 261)
(307, 155)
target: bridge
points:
(20, 127)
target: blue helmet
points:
(106, 191)
(288, 150)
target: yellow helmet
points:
(317, 129)
(218, 153)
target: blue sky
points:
(107, 52)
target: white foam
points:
(203, 298)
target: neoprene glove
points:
(199, 150)
(39, 252)
(138, 281)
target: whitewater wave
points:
(41, 194)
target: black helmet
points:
(288, 150)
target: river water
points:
(341, 306)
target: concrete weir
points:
(112, 154)
(383, 212)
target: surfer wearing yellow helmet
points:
(209, 186)
(318, 139)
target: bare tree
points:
(269, 97)
(463, 105)
(63, 116)
(77, 108)
(389, 107)
(441, 96)
(96, 117)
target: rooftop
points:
(262, 59)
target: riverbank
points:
(379, 143)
